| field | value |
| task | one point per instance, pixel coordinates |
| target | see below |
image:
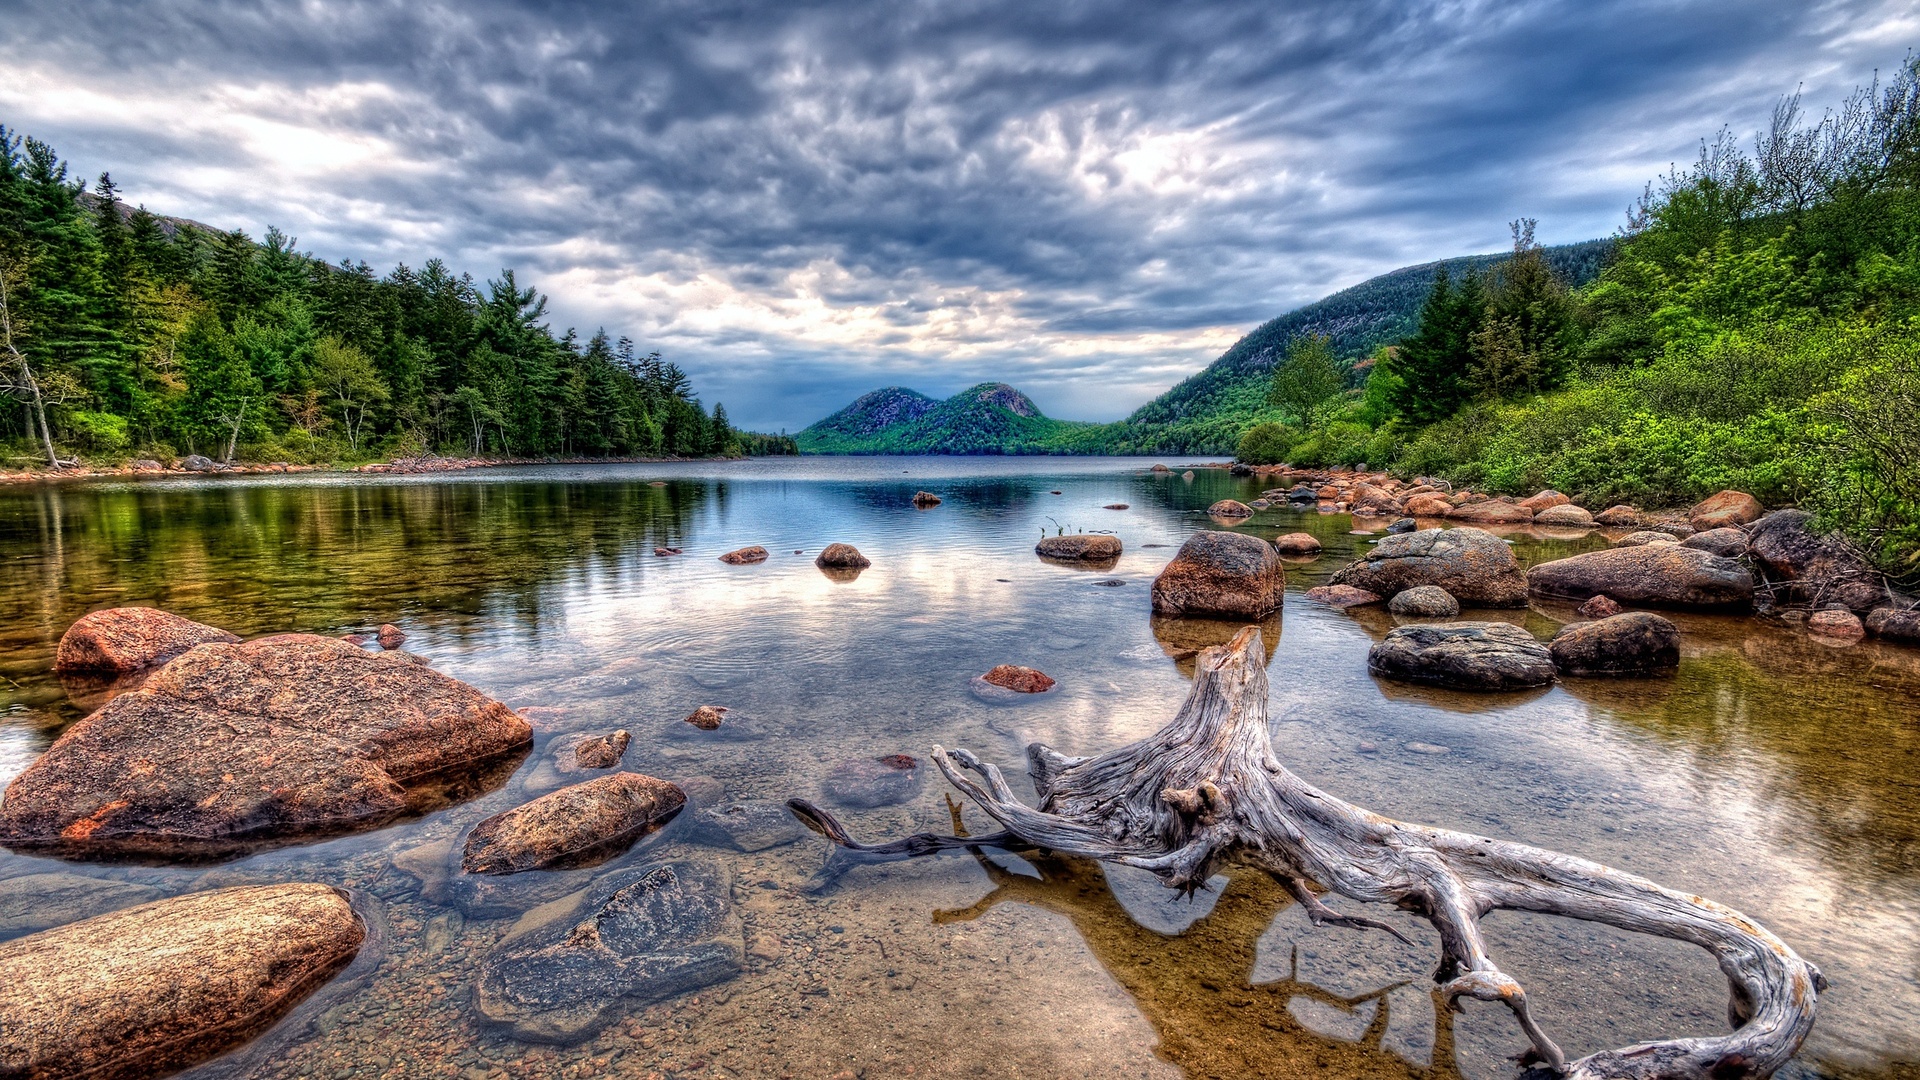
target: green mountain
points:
(991, 418)
(1205, 414)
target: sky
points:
(799, 202)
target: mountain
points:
(991, 418)
(1204, 414)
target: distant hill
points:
(1207, 412)
(1204, 414)
(991, 418)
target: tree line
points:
(1756, 324)
(126, 334)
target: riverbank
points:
(401, 466)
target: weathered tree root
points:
(1207, 789)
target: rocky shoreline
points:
(195, 465)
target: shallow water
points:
(1773, 773)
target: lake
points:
(1773, 773)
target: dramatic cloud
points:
(802, 202)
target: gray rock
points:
(1425, 602)
(1463, 656)
(749, 825)
(1635, 643)
(1403, 525)
(42, 901)
(1728, 542)
(1477, 567)
(568, 969)
(1653, 575)
(197, 463)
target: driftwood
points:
(1206, 791)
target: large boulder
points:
(1079, 547)
(1790, 552)
(119, 640)
(1724, 509)
(569, 968)
(1474, 565)
(1491, 512)
(1221, 575)
(1430, 504)
(157, 988)
(1545, 500)
(1425, 602)
(1636, 643)
(1463, 656)
(235, 746)
(1651, 575)
(574, 826)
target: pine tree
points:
(1432, 365)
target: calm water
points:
(1773, 773)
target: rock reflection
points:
(1193, 986)
(1183, 639)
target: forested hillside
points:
(1756, 326)
(991, 418)
(125, 334)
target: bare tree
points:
(1207, 792)
(17, 377)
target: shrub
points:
(1265, 444)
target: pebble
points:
(1428, 748)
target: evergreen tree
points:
(1522, 346)
(1432, 365)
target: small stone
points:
(842, 557)
(1403, 525)
(1428, 748)
(602, 752)
(1115, 506)
(390, 636)
(708, 717)
(571, 826)
(742, 556)
(1079, 547)
(1023, 680)
(1230, 508)
(1297, 544)
(1836, 623)
(1424, 602)
(1599, 607)
(1342, 596)
(925, 499)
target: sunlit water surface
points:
(1774, 773)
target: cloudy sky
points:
(800, 202)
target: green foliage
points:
(157, 333)
(1307, 378)
(1266, 444)
(991, 418)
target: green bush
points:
(1266, 444)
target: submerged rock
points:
(233, 746)
(1474, 565)
(708, 717)
(569, 968)
(1425, 602)
(40, 901)
(1653, 575)
(749, 825)
(874, 781)
(842, 557)
(156, 988)
(1221, 575)
(1342, 596)
(1637, 643)
(924, 499)
(1463, 656)
(742, 556)
(116, 641)
(573, 826)
(1079, 547)
(602, 751)
(1021, 680)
